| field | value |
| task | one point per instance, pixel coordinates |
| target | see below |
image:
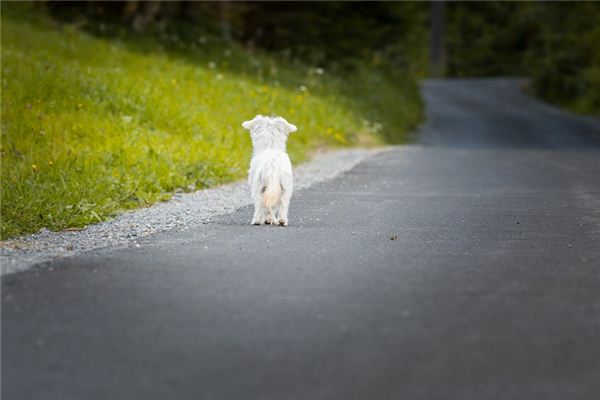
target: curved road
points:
(463, 267)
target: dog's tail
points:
(272, 192)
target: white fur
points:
(270, 174)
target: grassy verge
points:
(92, 126)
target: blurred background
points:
(108, 106)
(554, 43)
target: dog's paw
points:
(254, 222)
(283, 222)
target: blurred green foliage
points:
(557, 45)
(336, 35)
(342, 34)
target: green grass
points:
(92, 126)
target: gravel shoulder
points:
(184, 211)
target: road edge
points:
(182, 212)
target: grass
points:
(92, 126)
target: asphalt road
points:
(464, 267)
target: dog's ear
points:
(252, 123)
(289, 128)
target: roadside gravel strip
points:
(183, 211)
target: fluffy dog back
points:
(270, 174)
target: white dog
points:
(270, 174)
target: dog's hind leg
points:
(282, 209)
(259, 214)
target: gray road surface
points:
(464, 267)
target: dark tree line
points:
(323, 33)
